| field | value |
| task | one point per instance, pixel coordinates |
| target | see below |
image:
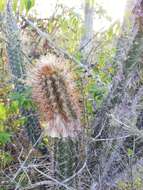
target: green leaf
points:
(22, 5)
(89, 107)
(14, 4)
(90, 2)
(29, 4)
(23, 100)
(78, 56)
(19, 122)
(50, 27)
(130, 152)
(2, 127)
(2, 5)
(14, 107)
(5, 159)
(2, 112)
(4, 138)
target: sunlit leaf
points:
(29, 4)
(1, 128)
(130, 152)
(2, 5)
(2, 112)
(15, 5)
(22, 5)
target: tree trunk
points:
(85, 44)
(119, 113)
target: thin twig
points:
(22, 165)
(53, 45)
(77, 173)
(53, 179)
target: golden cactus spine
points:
(56, 98)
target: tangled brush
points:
(55, 94)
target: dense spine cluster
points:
(56, 98)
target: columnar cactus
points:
(13, 44)
(56, 97)
(18, 70)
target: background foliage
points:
(108, 69)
